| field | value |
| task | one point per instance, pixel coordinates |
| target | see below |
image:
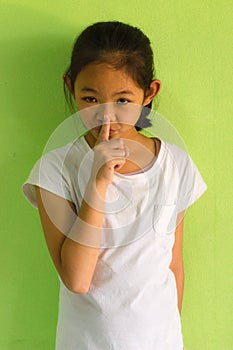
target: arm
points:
(75, 258)
(74, 241)
(177, 262)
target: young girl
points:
(112, 203)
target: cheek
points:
(88, 116)
(89, 121)
(129, 114)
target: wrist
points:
(99, 185)
(95, 194)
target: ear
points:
(153, 90)
(67, 81)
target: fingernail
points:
(106, 118)
(126, 151)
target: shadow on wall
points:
(35, 49)
(36, 53)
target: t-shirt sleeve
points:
(191, 186)
(49, 173)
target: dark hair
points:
(120, 45)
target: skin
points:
(113, 140)
(90, 89)
(119, 97)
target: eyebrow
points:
(88, 89)
(123, 92)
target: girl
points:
(112, 203)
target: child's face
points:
(101, 91)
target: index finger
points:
(105, 130)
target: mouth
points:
(111, 131)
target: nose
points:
(106, 110)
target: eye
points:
(122, 101)
(89, 99)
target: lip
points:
(112, 131)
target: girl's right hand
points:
(109, 155)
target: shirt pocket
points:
(164, 220)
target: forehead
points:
(103, 76)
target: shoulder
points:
(65, 156)
(175, 151)
(55, 170)
(175, 157)
(180, 160)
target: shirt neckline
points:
(148, 169)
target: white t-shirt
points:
(132, 300)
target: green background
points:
(192, 41)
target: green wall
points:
(192, 45)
